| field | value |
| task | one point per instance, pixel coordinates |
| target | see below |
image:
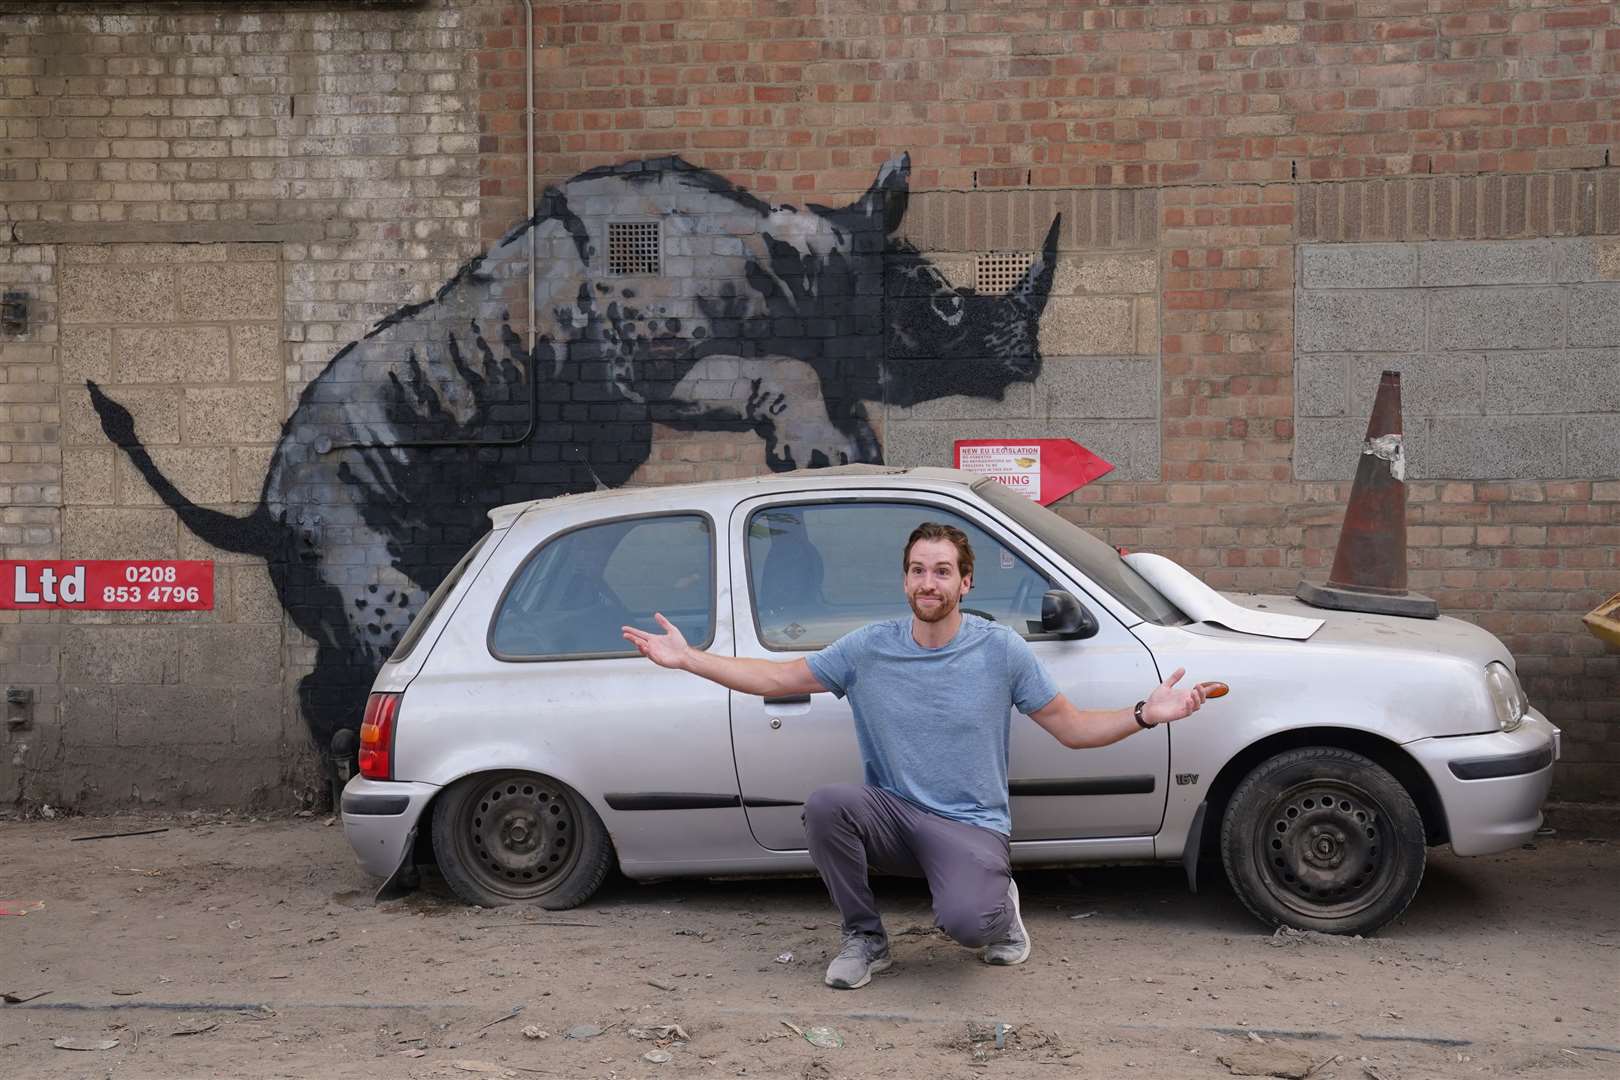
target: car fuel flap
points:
(1203, 604)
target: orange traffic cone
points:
(1369, 567)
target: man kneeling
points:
(932, 698)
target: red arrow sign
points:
(1043, 469)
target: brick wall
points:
(1193, 149)
(1253, 128)
(316, 163)
(796, 96)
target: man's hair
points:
(933, 530)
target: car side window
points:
(821, 570)
(572, 595)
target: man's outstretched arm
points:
(767, 678)
(1081, 728)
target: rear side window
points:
(419, 624)
(575, 593)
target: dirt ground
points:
(228, 947)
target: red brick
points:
(1594, 16)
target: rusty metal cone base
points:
(1411, 604)
(1369, 567)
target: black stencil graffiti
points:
(782, 321)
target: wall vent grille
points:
(633, 248)
(998, 271)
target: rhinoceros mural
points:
(664, 294)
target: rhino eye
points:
(948, 306)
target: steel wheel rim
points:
(520, 835)
(1326, 849)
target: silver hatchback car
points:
(517, 740)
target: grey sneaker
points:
(862, 956)
(1014, 949)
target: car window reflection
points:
(574, 595)
(820, 571)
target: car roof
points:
(626, 498)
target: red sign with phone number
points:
(107, 585)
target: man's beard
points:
(943, 611)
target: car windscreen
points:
(434, 602)
(1098, 561)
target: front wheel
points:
(519, 838)
(1325, 839)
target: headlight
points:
(1506, 695)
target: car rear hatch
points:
(417, 641)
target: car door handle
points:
(789, 699)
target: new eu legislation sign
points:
(1044, 470)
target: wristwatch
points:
(1141, 723)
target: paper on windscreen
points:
(1203, 604)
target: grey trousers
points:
(854, 829)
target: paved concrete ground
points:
(252, 949)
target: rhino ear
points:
(885, 200)
(1036, 283)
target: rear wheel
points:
(1325, 839)
(519, 838)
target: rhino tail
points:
(255, 534)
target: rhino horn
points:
(1036, 284)
(884, 201)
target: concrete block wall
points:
(30, 504)
(188, 338)
(1509, 352)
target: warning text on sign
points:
(1017, 465)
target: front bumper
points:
(379, 818)
(1492, 786)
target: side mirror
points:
(1062, 614)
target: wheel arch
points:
(1376, 748)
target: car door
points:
(807, 570)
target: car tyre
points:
(519, 838)
(1322, 838)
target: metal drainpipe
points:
(324, 445)
(528, 89)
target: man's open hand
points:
(668, 649)
(1166, 703)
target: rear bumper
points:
(379, 817)
(1492, 786)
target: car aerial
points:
(518, 741)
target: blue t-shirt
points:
(933, 723)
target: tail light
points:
(377, 737)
